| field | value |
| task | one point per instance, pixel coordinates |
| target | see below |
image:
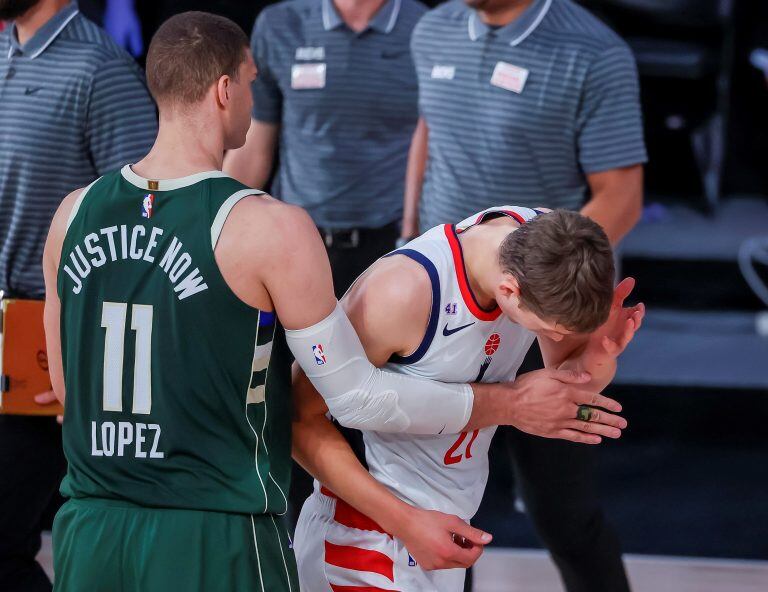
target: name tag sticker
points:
(307, 76)
(509, 77)
(310, 53)
(443, 72)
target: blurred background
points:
(689, 477)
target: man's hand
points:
(546, 403)
(609, 340)
(48, 398)
(441, 541)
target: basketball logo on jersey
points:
(490, 348)
(319, 354)
(147, 204)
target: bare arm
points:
(51, 315)
(414, 178)
(252, 163)
(617, 200)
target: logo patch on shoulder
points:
(320, 358)
(147, 205)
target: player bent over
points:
(168, 287)
(461, 303)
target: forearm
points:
(414, 179)
(324, 453)
(616, 222)
(617, 200)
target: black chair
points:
(684, 53)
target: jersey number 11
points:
(113, 318)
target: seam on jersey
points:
(248, 419)
(258, 558)
(79, 202)
(434, 313)
(264, 425)
(224, 211)
(282, 554)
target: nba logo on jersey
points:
(411, 561)
(146, 205)
(319, 354)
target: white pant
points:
(337, 546)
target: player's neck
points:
(357, 13)
(183, 147)
(480, 246)
(31, 21)
(503, 15)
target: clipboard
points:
(23, 358)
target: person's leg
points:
(557, 482)
(106, 545)
(32, 465)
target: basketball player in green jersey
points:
(168, 287)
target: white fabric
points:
(316, 526)
(434, 472)
(364, 397)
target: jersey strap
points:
(434, 313)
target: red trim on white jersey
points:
(461, 276)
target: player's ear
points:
(509, 285)
(223, 91)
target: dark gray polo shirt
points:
(521, 113)
(73, 106)
(346, 103)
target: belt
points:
(351, 238)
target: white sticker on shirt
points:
(443, 72)
(307, 76)
(310, 53)
(509, 77)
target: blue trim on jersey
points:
(538, 212)
(266, 319)
(434, 314)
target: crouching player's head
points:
(199, 71)
(557, 275)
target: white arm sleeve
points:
(364, 397)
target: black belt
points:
(351, 238)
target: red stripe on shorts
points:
(359, 560)
(336, 588)
(346, 515)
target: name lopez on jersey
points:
(124, 244)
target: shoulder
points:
(412, 11)
(273, 226)
(94, 47)
(395, 287)
(287, 11)
(448, 15)
(577, 27)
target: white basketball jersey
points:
(463, 343)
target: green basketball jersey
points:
(178, 393)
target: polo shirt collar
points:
(45, 35)
(383, 21)
(515, 32)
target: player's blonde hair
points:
(563, 263)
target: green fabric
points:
(213, 432)
(111, 546)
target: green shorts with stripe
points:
(113, 546)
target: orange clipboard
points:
(23, 358)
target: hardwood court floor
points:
(522, 570)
